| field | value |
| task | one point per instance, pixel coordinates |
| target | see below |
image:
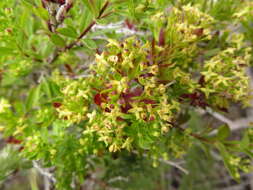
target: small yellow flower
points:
(53, 152)
(114, 148)
(80, 151)
(91, 116)
(4, 104)
(2, 128)
(113, 58)
(156, 134)
(128, 144)
(165, 129)
(82, 142)
(19, 129)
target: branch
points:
(240, 123)
(81, 36)
(197, 136)
(86, 30)
(118, 178)
(43, 172)
(46, 183)
(174, 164)
(119, 28)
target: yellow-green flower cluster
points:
(137, 88)
(191, 20)
(226, 79)
(75, 104)
(132, 91)
(246, 10)
(182, 30)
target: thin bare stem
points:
(43, 172)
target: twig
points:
(118, 178)
(72, 44)
(174, 164)
(197, 136)
(238, 124)
(119, 28)
(46, 183)
(220, 117)
(43, 172)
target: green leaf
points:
(57, 40)
(13, 162)
(41, 13)
(223, 132)
(245, 142)
(33, 98)
(5, 51)
(233, 170)
(90, 4)
(28, 1)
(249, 153)
(144, 144)
(90, 43)
(212, 52)
(28, 4)
(54, 88)
(69, 32)
(86, 19)
(46, 89)
(131, 8)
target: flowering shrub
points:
(131, 94)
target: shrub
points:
(78, 90)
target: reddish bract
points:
(120, 119)
(134, 92)
(125, 108)
(21, 149)
(100, 98)
(149, 119)
(61, 2)
(146, 75)
(57, 104)
(198, 32)
(152, 118)
(202, 81)
(197, 99)
(161, 37)
(129, 24)
(12, 140)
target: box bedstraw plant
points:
(73, 92)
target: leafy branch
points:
(85, 31)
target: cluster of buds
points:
(45, 2)
(58, 8)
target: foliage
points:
(132, 95)
(12, 162)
